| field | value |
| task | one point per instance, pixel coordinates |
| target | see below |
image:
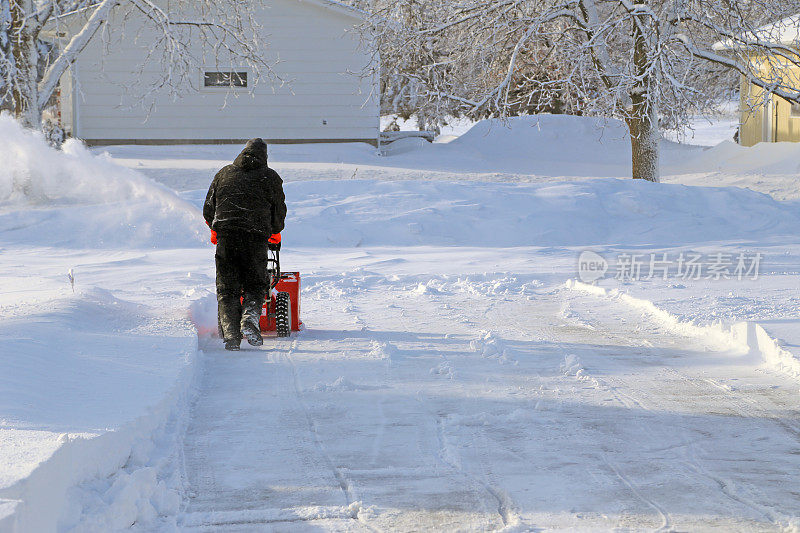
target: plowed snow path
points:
(402, 409)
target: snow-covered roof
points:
(785, 31)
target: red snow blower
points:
(281, 312)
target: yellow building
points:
(767, 117)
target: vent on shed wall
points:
(224, 79)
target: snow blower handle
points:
(274, 242)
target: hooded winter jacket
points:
(247, 195)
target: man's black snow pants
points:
(241, 273)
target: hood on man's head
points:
(254, 154)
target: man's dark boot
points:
(233, 344)
(251, 330)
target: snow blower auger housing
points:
(281, 311)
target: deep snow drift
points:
(449, 378)
(543, 144)
(545, 148)
(601, 212)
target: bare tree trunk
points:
(25, 95)
(642, 116)
(643, 128)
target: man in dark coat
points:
(244, 207)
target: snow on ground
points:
(526, 149)
(451, 376)
(454, 128)
(709, 131)
(719, 126)
(358, 213)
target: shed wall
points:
(322, 99)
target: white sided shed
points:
(320, 56)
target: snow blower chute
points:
(281, 311)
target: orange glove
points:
(275, 238)
(213, 235)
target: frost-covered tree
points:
(651, 63)
(406, 82)
(5, 42)
(225, 29)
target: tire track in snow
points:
(623, 399)
(221, 504)
(504, 505)
(412, 318)
(349, 306)
(743, 405)
(629, 402)
(726, 486)
(446, 456)
(377, 442)
(554, 334)
(344, 483)
(665, 521)
(755, 410)
(502, 502)
(494, 317)
(595, 332)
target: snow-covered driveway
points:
(450, 378)
(488, 404)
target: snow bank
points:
(718, 336)
(593, 212)
(771, 349)
(550, 145)
(763, 158)
(93, 394)
(73, 197)
(521, 149)
(741, 336)
(544, 138)
(770, 168)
